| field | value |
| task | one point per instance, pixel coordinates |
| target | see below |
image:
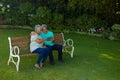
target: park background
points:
(94, 26)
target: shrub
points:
(116, 27)
(57, 21)
(57, 18)
(42, 16)
(17, 18)
(70, 24)
(85, 22)
(116, 30)
(114, 34)
(105, 34)
(26, 8)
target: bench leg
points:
(15, 62)
(72, 52)
(9, 60)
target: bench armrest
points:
(69, 42)
(15, 50)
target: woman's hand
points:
(44, 46)
(39, 40)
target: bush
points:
(85, 22)
(42, 16)
(57, 21)
(114, 34)
(116, 27)
(26, 8)
(17, 18)
(116, 30)
(105, 34)
(70, 24)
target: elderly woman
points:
(36, 46)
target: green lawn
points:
(95, 59)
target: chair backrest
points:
(58, 38)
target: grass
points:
(95, 59)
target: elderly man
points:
(48, 36)
(36, 46)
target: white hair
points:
(38, 27)
(44, 25)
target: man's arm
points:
(32, 33)
(50, 39)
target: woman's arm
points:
(35, 38)
(39, 40)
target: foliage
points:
(84, 14)
(114, 34)
(71, 24)
(42, 16)
(116, 31)
(105, 34)
(57, 18)
(19, 15)
(56, 22)
(16, 18)
(116, 27)
(26, 8)
(85, 22)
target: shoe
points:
(62, 61)
(52, 63)
(37, 66)
(41, 65)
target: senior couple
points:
(42, 42)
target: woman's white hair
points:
(38, 27)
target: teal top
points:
(49, 34)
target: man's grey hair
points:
(38, 27)
(44, 25)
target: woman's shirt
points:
(33, 44)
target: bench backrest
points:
(59, 38)
(24, 42)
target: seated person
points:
(36, 46)
(48, 36)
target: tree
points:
(42, 16)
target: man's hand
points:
(32, 33)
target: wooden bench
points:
(19, 46)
